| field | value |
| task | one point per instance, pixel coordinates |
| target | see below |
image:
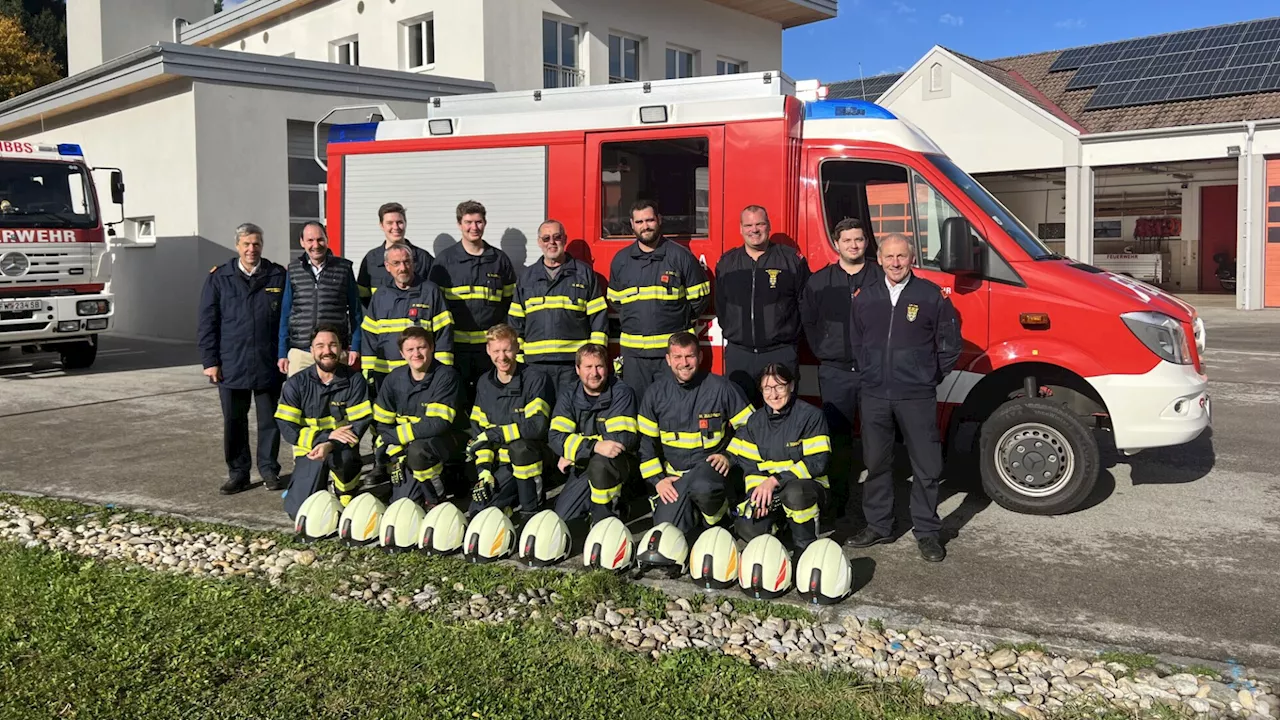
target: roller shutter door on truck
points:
(510, 182)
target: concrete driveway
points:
(1176, 552)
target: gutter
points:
(1175, 131)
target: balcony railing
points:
(558, 76)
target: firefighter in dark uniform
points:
(558, 307)
(509, 423)
(323, 412)
(658, 288)
(784, 449)
(758, 289)
(686, 421)
(594, 431)
(826, 310)
(373, 274)
(908, 340)
(405, 301)
(416, 419)
(478, 281)
(239, 326)
(321, 290)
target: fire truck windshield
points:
(991, 206)
(45, 194)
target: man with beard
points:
(323, 411)
(509, 424)
(659, 289)
(594, 431)
(558, 308)
(321, 290)
(416, 420)
(758, 288)
(686, 422)
(392, 220)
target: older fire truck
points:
(55, 268)
(1054, 349)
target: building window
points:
(419, 43)
(306, 179)
(679, 63)
(345, 52)
(560, 54)
(730, 67)
(141, 230)
(624, 59)
(674, 173)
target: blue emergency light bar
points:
(70, 149)
(846, 109)
(355, 132)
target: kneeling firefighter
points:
(783, 450)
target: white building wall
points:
(102, 30)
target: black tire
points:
(1058, 442)
(78, 356)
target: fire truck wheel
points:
(1037, 458)
(77, 356)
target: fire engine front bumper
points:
(1168, 405)
(57, 321)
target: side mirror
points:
(960, 249)
(117, 187)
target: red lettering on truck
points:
(39, 236)
(13, 146)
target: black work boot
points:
(931, 550)
(868, 537)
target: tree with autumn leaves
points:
(24, 65)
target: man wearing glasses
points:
(558, 307)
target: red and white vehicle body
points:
(55, 270)
(1053, 349)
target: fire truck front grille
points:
(63, 266)
(23, 327)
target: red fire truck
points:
(55, 269)
(1054, 349)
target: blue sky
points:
(891, 35)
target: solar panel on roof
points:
(1194, 85)
(1179, 42)
(1150, 90)
(1240, 80)
(1089, 76)
(1263, 30)
(1224, 36)
(1257, 53)
(1270, 81)
(1109, 52)
(1209, 59)
(1071, 59)
(1128, 70)
(1144, 47)
(1171, 64)
(1110, 95)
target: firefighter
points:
(784, 449)
(321, 290)
(826, 310)
(659, 288)
(558, 307)
(908, 340)
(416, 420)
(373, 275)
(405, 301)
(238, 333)
(509, 423)
(594, 431)
(478, 281)
(758, 289)
(323, 412)
(686, 421)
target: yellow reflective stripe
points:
(516, 310)
(647, 426)
(801, 470)
(430, 473)
(546, 347)
(775, 466)
(369, 324)
(299, 451)
(364, 291)
(598, 305)
(600, 338)
(508, 291)
(324, 423)
(606, 496)
(713, 519)
(683, 440)
(622, 423)
(740, 419)
(441, 321)
(753, 481)
(484, 455)
(288, 413)
(537, 406)
(383, 415)
(306, 438)
(376, 364)
(510, 432)
(478, 292)
(644, 342)
(560, 423)
(745, 450)
(469, 337)
(816, 444)
(404, 433)
(650, 468)
(801, 516)
(823, 481)
(526, 472)
(442, 411)
(571, 445)
(650, 292)
(673, 471)
(697, 291)
(359, 411)
(477, 415)
(445, 358)
(341, 486)
(554, 302)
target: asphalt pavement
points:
(1178, 550)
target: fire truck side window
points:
(674, 173)
(931, 210)
(878, 194)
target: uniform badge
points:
(773, 278)
(666, 278)
(912, 310)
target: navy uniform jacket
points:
(556, 317)
(373, 269)
(407, 410)
(758, 301)
(392, 310)
(478, 289)
(309, 410)
(239, 324)
(790, 444)
(682, 425)
(657, 294)
(580, 421)
(905, 350)
(826, 309)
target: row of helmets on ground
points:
(763, 569)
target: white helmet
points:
(318, 516)
(823, 574)
(442, 529)
(544, 540)
(489, 537)
(766, 568)
(663, 547)
(400, 523)
(608, 546)
(360, 519)
(713, 562)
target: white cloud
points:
(1070, 24)
(902, 8)
(952, 20)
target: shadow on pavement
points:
(115, 354)
(1174, 465)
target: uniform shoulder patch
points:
(213, 269)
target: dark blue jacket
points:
(240, 324)
(905, 350)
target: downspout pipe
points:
(177, 29)
(1243, 266)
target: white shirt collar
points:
(896, 290)
(246, 270)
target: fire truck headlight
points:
(98, 324)
(1161, 334)
(93, 307)
(68, 325)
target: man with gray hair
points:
(239, 322)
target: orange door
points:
(1271, 238)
